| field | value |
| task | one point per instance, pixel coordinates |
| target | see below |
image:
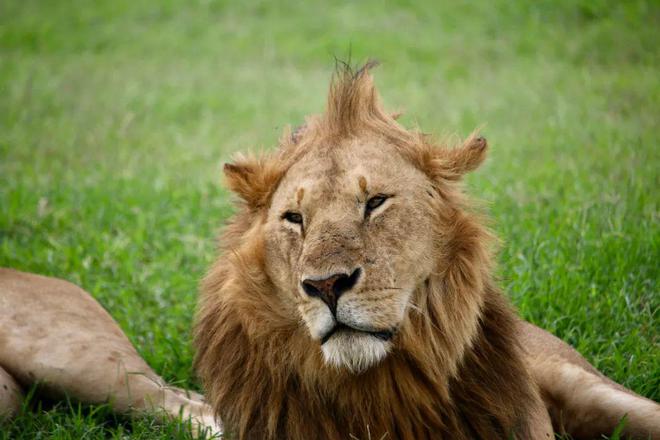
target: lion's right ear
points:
(253, 178)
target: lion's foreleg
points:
(586, 406)
(581, 401)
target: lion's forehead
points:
(344, 169)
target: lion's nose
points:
(331, 288)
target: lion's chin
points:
(355, 351)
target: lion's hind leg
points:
(11, 396)
(582, 402)
(57, 335)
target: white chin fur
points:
(354, 351)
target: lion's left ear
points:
(456, 162)
(253, 178)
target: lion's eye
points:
(374, 203)
(293, 217)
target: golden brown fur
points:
(454, 368)
(54, 334)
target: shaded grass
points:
(116, 116)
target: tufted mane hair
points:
(456, 370)
(353, 109)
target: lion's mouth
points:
(383, 335)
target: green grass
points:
(115, 118)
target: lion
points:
(55, 335)
(354, 297)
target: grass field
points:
(115, 118)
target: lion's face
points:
(349, 237)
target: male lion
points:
(354, 298)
